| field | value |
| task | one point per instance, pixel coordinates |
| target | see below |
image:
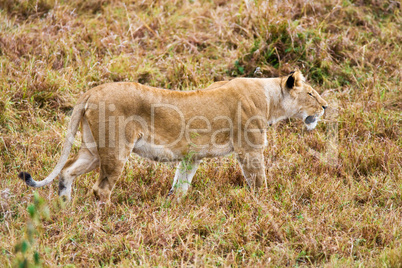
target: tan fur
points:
(165, 125)
(217, 84)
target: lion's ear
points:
(295, 79)
(291, 81)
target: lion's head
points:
(303, 100)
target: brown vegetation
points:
(334, 195)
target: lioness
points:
(164, 125)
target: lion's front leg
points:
(253, 168)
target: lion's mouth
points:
(310, 119)
(311, 122)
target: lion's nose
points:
(324, 107)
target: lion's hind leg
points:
(111, 167)
(83, 163)
(112, 161)
(110, 171)
(86, 161)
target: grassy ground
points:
(333, 197)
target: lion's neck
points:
(279, 106)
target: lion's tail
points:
(76, 117)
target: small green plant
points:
(189, 157)
(26, 253)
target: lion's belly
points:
(155, 152)
(215, 151)
(176, 153)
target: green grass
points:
(321, 206)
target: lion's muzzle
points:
(310, 119)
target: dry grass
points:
(321, 206)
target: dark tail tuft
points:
(25, 176)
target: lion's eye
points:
(310, 94)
